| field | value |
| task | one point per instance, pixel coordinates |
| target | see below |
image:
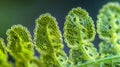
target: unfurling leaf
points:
(48, 41)
(2, 46)
(78, 27)
(108, 29)
(47, 36)
(78, 33)
(3, 56)
(20, 45)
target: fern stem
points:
(98, 60)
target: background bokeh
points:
(25, 12)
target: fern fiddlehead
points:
(3, 56)
(78, 33)
(48, 41)
(108, 30)
(2, 46)
(20, 45)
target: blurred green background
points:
(25, 12)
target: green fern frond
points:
(78, 33)
(20, 45)
(48, 41)
(108, 29)
(108, 21)
(2, 46)
(3, 56)
(47, 36)
(19, 42)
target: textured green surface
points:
(19, 42)
(79, 32)
(48, 41)
(3, 56)
(47, 36)
(20, 45)
(109, 21)
(108, 29)
(2, 46)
